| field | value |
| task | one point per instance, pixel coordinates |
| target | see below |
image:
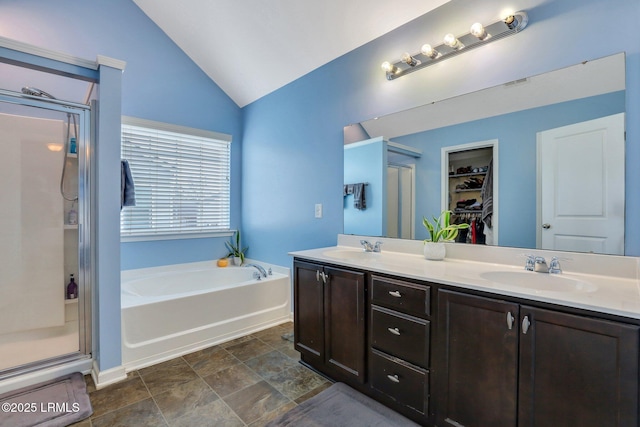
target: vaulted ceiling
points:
(253, 47)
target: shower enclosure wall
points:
(44, 237)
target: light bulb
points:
(409, 60)
(429, 51)
(451, 41)
(478, 31)
(53, 146)
(388, 67)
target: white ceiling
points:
(250, 48)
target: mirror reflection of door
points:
(400, 201)
(581, 186)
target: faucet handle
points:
(554, 264)
(530, 263)
(368, 247)
(376, 248)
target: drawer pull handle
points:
(395, 294)
(393, 378)
(394, 331)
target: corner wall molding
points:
(47, 53)
(110, 62)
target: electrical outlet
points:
(318, 210)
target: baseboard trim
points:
(110, 376)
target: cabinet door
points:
(308, 311)
(344, 323)
(476, 366)
(577, 371)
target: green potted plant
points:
(234, 249)
(440, 230)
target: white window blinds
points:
(181, 178)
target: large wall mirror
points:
(559, 172)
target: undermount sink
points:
(539, 281)
(346, 254)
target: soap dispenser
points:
(72, 288)
(73, 215)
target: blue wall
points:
(293, 141)
(516, 133)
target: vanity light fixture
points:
(478, 35)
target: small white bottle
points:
(73, 215)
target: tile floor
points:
(244, 382)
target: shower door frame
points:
(85, 148)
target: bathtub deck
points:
(214, 386)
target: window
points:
(181, 177)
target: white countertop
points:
(613, 294)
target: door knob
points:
(546, 226)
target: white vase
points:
(237, 260)
(434, 251)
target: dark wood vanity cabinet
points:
(500, 363)
(329, 320)
(399, 344)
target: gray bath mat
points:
(341, 406)
(55, 403)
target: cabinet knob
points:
(510, 320)
(395, 294)
(525, 324)
(546, 226)
(394, 331)
(393, 378)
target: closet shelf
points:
(458, 175)
(466, 211)
(466, 190)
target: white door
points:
(581, 186)
(400, 201)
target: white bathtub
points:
(172, 310)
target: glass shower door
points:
(41, 216)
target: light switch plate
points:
(318, 210)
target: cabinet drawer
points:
(403, 296)
(408, 386)
(401, 336)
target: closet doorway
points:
(401, 197)
(470, 189)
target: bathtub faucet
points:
(263, 272)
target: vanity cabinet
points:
(501, 363)
(329, 320)
(399, 349)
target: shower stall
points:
(44, 232)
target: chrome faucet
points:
(369, 247)
(539, 265)
(263, 272)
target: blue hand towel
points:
(127, 188)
